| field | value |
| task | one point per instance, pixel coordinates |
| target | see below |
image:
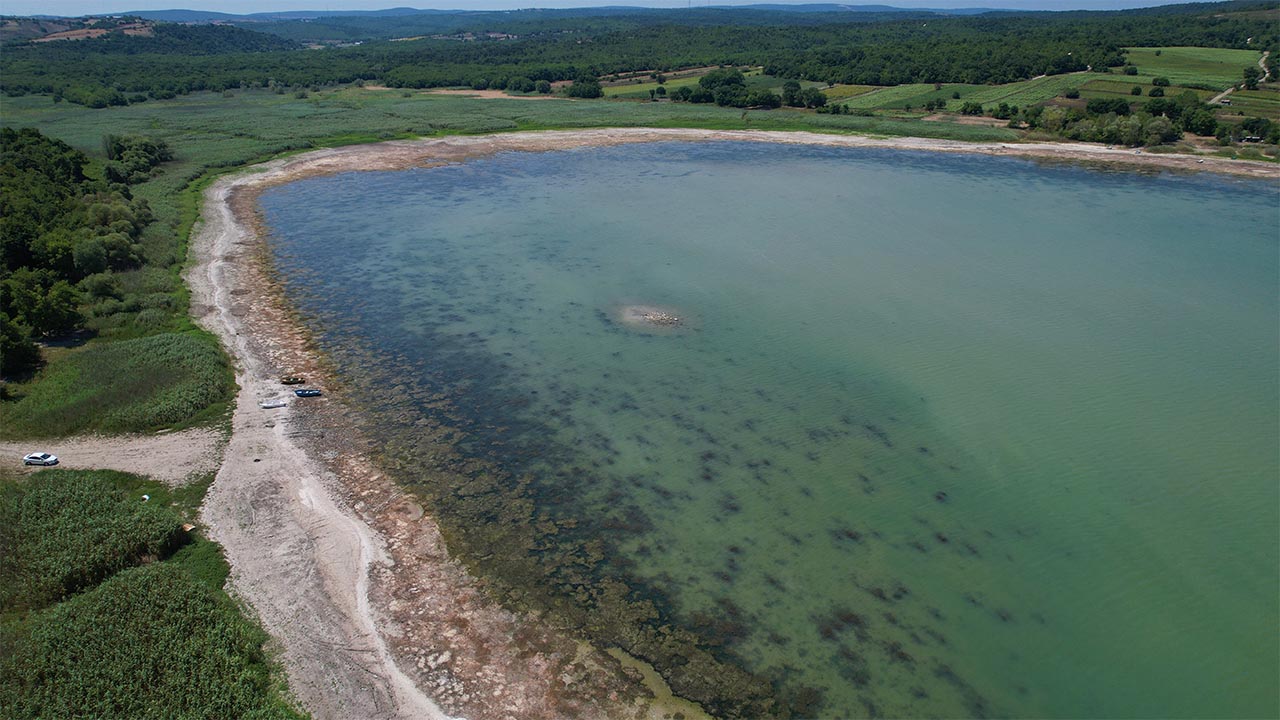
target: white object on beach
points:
(273, 403)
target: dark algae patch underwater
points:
(935, 436)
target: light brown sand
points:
(173, 458)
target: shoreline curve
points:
(345, 571)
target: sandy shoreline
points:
(372, 616)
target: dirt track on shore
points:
(372, 616)
(172, 458)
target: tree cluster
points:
(62, 233)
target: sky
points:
(104, 7)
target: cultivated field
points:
(1263, 102)
(1027, 92)
(1208, 67)
(755, 81)
(914, 95)
(1122, 86)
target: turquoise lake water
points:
(941, 435)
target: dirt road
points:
(172, 458)
(299, 560)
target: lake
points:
(934, 434)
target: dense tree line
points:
(63, 233)
(991, 48)
(1118, 122)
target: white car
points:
(41, 458)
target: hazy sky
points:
(102, 7)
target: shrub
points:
(66, 531)
(126, 386)
(150, 642)
(586, 88)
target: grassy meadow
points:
(1122, 87)
(1027, 92)
(136, 385)
(756, 80)
(1211, 68)
(1263, 102)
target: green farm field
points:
(1263, 102)
(1027, 92)
(1209, 67)
(1111, 86)
(913, 94)
(755, 81)
(641, 89)
(836, 93)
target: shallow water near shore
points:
(938, 435)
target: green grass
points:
(1025, 93)
(1263, 102)
(127, 386)
(150, 642)
(101, 617)
(209, 131)
(641, 89)
(844, 92)
(913, 94)
(1209, 67)
(755, 81)
(66, 531)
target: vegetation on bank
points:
(130, 386)
(83, 258)
(829, 48)
(108, 608)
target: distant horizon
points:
(78, 8)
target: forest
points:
(62, 234)
(875, 49)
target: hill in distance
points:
(206, 16)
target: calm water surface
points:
(942, 435)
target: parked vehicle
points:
(40, 458)
(307, 392)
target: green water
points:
(939, 436)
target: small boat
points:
(273, 403)
(292, 380)
(307, 392)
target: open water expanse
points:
(939, 434)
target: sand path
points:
(172, 458)
(344, 570)
(298, 558)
